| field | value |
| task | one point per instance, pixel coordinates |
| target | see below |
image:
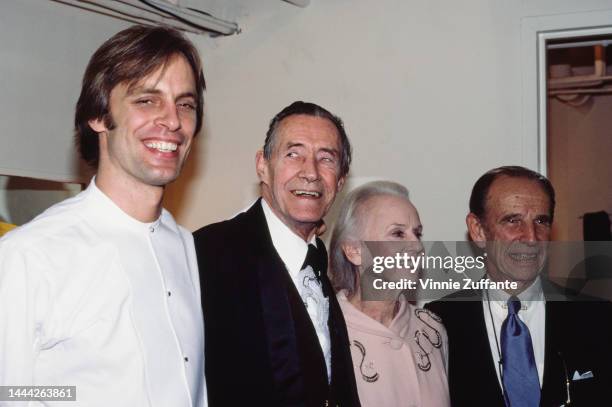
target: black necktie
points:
(316, 257)
(521, 381)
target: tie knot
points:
(314, 259)
(514, 305)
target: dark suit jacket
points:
(261, 347)
(577, 338)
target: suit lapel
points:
(312, 361)
(553, 382)
(483, 375)
(278, 329)
(343, 388)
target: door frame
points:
(535, 32)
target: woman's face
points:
(391, 227)
(390, 218)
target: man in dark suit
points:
(275, 335)
(527, 345)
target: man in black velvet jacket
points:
(275, 335)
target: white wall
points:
(44, 48)
(430, 93)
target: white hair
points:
(344, 274)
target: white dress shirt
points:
(532, 313)
(292, 250)
(92, 298)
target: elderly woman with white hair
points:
(399, 351)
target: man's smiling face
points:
(515, 229)
(153, 125)
(302, 176)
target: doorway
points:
(567, 127)
(579, 133)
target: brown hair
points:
(127, 57)
(480, 191)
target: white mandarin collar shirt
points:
(292, 250)
(532, 313)
(103, 302)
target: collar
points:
(528, 297)
(356, 319)
(106, 209)
(290, 247)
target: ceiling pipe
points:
(153, 12)
(299, 3)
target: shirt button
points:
(169, 293)
(186, 359)
(396, 343)
(151, 229)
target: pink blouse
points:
(402, 365)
